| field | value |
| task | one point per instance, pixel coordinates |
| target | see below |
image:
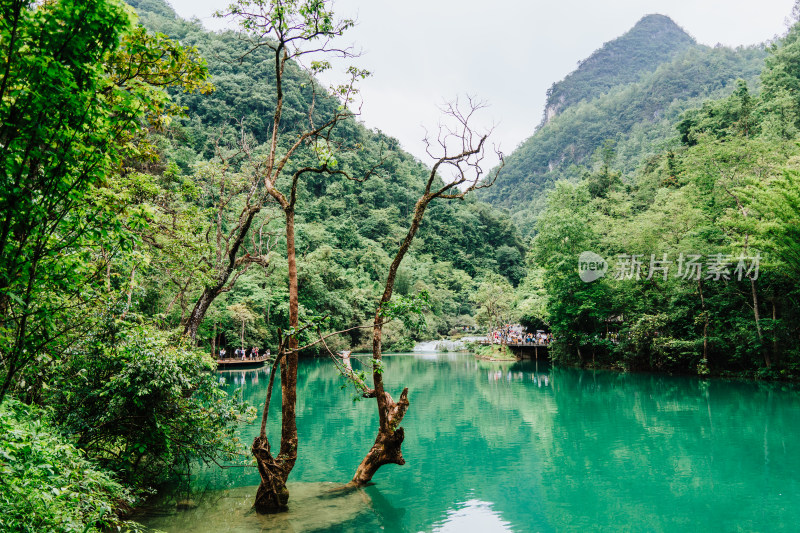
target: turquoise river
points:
(519, 446)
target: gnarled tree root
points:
(272, 495)
(387, 447)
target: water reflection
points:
(472, 515)
(520, 446)
(243, 376)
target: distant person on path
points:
(222, 353)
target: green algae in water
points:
(312, 507)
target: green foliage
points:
(84, 95)
(81, 88)
(346, 231)
(493, 297)
(729, 191)
(46, 484)
(120, 173)
(57, 130)
(777, 204)
(143, 406)
(654, 40)
(781, 79)
(408, 309)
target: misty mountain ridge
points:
(652, 41)
(627, 97)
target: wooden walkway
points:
(242, 363)
(522, 349)
(517, 344)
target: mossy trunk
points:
(272, 495)
(387, 447)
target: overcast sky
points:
(506, 52)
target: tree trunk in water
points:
(387, 447)
(390, 414)
(272, 495)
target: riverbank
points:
(493, 352)
(778, 375)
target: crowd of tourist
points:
(518, 334)
(243, 354)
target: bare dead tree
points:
(459, 149)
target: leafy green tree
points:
(576, 309)
(47, 484)
(79, 87)
(493, 298)
(241, 313)
(143, 406)
(288, 30)
(778, 204)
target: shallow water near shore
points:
(519, 446)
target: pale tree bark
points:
(743, 211)
(757, 316)
(233, 253)
(774, 319)
(705, 321)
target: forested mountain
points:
(698, 245)
(619, 107)
(347, 229)
(654, 40)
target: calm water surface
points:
(521, 447)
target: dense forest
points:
(346, 229)
(695, 250)
(136, 239)
(143, 227)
